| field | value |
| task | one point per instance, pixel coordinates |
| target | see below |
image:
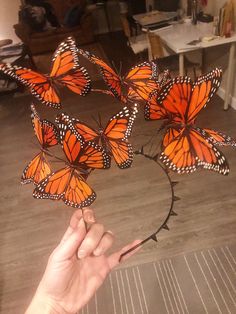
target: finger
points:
(69, 247)
(75, 218)
(91, 240)
(105, 243)
(88, 215)
(114, 259)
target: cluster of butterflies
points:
(85, 149)
(177, 101)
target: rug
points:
(195, 283)
(43, 62)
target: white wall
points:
(9, 16)
(219, 56)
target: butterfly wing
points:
(183, 99)
(142, 90)
(45, 131)
(174, 98)
(88, 133)
(36, 170)
(120, 125)
(79, 153)
(39, 84)
(116, 134)
(110, 77)
(153, 110)
(142, 80)
(78, 82)
(66, 68)
(203, 90)
(66, 184)
(219, 138)
(141, 72)
(185, 150)
(122, 152)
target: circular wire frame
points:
(170, 212)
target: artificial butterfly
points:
(65, 71)
(137, 84)
(186, 147)
(46, 133)
(68, 184)
(114, 137)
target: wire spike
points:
(166, 227)
(173, 213)
(176, 198)
(155, 158)
(174, 183)
(154, 237)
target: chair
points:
(170, 62)
(48, 40)
(138, 43)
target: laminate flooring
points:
(132, 203)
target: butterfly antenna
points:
(149, 141)
(95, 119)
(120, 70)
(115, 67)
(53, 156)
(99, 120)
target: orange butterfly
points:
(46, 133)
(114, 137)
(186, 147)
(65, 71)
(136, 84)
(68, 184)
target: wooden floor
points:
(132, 203)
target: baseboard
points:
(221, 94)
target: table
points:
(17, 54)
(179, 35)
(153, 17)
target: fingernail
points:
(81, 254)
(97, 252)
(90, 218)
(80, 223)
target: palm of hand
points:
(71, 283)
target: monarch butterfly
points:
(114, 137)
(65, 71)
(46, 133)
(186, 147)
(68, 184)
(136, 84)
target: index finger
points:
(87, 214)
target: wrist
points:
(42, 304)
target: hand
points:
(77, 267)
